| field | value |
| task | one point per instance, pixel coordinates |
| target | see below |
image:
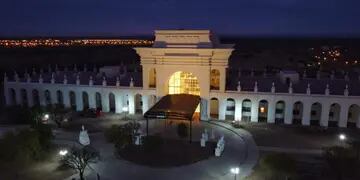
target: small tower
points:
(131, 82)
(75, 68)
(346, 90)
(117, 81)
(16, 76)
(56, 69)
(5, 78)
(85, 68)
(33, 72)
(273, 87)
(304, 74)
(346, 77)
(52, 78)
(327, 90)
(91, 81)
(104, 81)
(238, 86)
(78, 79)
(65, 79)
(49, 68)
(41, 80)
(318, 74)
(28, 78)
(290, 88)
(332, 75)
(308, 90)
(256, 87)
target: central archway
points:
(183, 83)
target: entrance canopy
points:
(174, 106)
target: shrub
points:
(238, 126)
(152, 143)
(278, 166)
(182, 130)
(112, 133)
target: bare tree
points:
(79, 159)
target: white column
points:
(18, 96)
(92, 100)
(238, 110)
(271, 112)
(254, 111)
(325, 109)
(222, 79)
(53, 95)
(66, 98)
(306, 114)
(288, 112)
(79, 101)
(118, 103)
(343, 115)
(204, 109)
(145, 103)
(222, 109)
(42, 97)
(30, 97)
(131, 100)
(7, 94)
(105, 102)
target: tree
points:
(79, 159)
(355, 145)
(182, 130)
(340, 161)
(278, 166)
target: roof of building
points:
(174, 106)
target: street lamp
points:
(342, 138)
(125, 109)
(63, 152)
(235, 171)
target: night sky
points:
(141, 17)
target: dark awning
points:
(174, 106)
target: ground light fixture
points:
(235, 171)
(342, 137)
(63, 152)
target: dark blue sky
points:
(135, 17)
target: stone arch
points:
(246, 110)
(85, 99)
(263, 111)
(334, 115)
(214, 108)
(152, 78)
(138, 103)
(315, 114)
(24, 98)
(230, 109)
(72, 97)
(280, 112)
(215, 79)
(47, 96)
(98, 101)
(12, 94)
(298, 109)
(183, 83)
(60, 97)
(353, 116)
(112, 106)
(36, 97)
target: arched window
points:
(152, 78)
(215, 79)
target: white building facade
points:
(194, 62)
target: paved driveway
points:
(240, 150)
